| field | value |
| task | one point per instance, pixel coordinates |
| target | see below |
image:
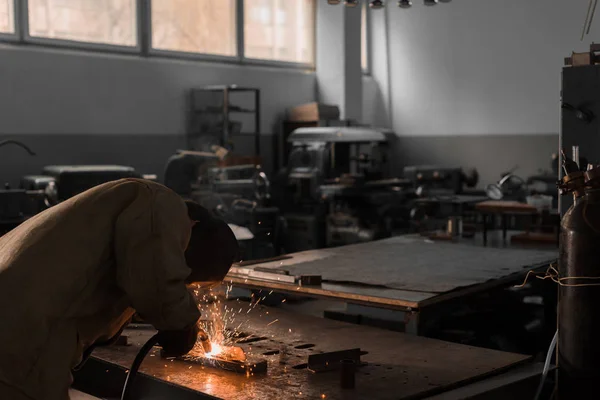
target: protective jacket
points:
(73, 275)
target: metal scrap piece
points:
(241, 367)
(332, 360)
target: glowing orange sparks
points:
(216, 350)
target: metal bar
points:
(263, 260)
(144, 25)
(587, 17)
(225, 134)
(22, 16)
(239, 29)
(257, 122)
(485, 217)
(592, 17)
(250, 273)
(332, 360)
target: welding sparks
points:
(217, 349)
(272, 322)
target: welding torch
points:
(205, 342)
(139, 358)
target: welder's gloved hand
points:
(178, 343)
(205, 341)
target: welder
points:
(73, 276)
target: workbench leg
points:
(411, 323)
(484, 216)
(504, 227)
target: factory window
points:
(364, 46)
(272, 32)
(195, 26)
(279, 30)
(112, 22)
(7, 16)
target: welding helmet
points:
(213, 247)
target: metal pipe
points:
(576, 156)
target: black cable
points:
(136, 366)
(17, 143)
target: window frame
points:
(13, 37)
(276, 63)
(185, 55)
(143, 46)
(75, 44)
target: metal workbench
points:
(396, 365)
(406, 273)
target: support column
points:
(339, 72)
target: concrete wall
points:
(79, 107)
(477, 82)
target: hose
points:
(136, 366)
(546, 366)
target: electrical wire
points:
(17, 143)
(546, 366)
(136, 366)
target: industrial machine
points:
(16, 203)
(61, 182)
(240, 194)
(431, 180)
(334, 189)
(439, 193)
(55, 184)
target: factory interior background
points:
(410, 187)
(475, 84)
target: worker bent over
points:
(73, 276)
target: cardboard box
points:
(313, 112)
(579, 59)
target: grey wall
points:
(78, 107)
(477, 82)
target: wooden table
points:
(504, 209)
(398, 366)
(404, 273)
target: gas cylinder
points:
(579, 294)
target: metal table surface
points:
(399, 366)
(404, 269)
(452, 272)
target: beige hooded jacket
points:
(74, 274)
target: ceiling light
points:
(430, 2)
(404, 3)
(351, 3)
(376, 4)
(334, 2)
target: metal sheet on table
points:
(418, 265)
(399, 366)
